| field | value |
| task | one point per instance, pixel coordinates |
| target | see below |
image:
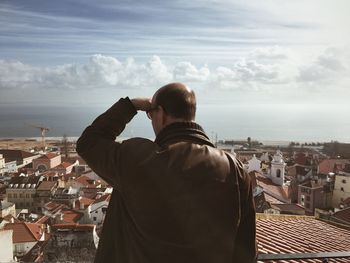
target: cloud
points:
(185, 71)
(274, 52)
(268, 68)
(331, 66)
(101, 71)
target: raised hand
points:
(142, 104)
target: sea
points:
(277, 124)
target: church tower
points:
(277, 168)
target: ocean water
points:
(302, 123)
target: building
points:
(254, 164)
(22, 191)
(342, 216)
(327, 166)
(65, 196)
(28, 240)
(43, 193)
(83, 205)
(277, 170)
(99, 209)
(63, 168)
(279, 192)
(285, 234)
(47, 161)
(313, 195)
(6, 254)
(22, 158)
(7, 208)
(84, 181)
(289, 209)
(71, 243)
(341, 188)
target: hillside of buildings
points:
(53, 205)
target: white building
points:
(277, 170)
(99, 209)
(25, 236)
(254, 164)
(341, 188)
(6, 254)
(265, 157)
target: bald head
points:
(177, 100)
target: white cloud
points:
(332, 66)
(270, 53)
(99, 72)
(185, 71)
(264, 69)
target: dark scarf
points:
(182, 131)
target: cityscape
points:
(53, 205)
(271, 82)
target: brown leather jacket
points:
(175, 200)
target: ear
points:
(164, 116)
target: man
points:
(175, 200)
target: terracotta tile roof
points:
(43, 220)
(25, 232)
(47, 156)
(63, 165)
(46, 185)
(300, 234)
(272, 200)
(91, 192)
(290, 208)
(74, 159)
(71, 216)
(106, 197)
(87, 181)
(81, 227)
(52, 206)
(343, 215)
(49, 173)
(277, 191)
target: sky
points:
(84, 52)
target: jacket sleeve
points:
(245, 243)
(97, 145)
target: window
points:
(342, 189)
(94, 218)
(21, 196)
(28, 204)
(9, 195)
(14, 195)
(278, 173)
(343, 181)
(307, 205)
(27, 195)
(33, 195)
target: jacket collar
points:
(182, 131)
